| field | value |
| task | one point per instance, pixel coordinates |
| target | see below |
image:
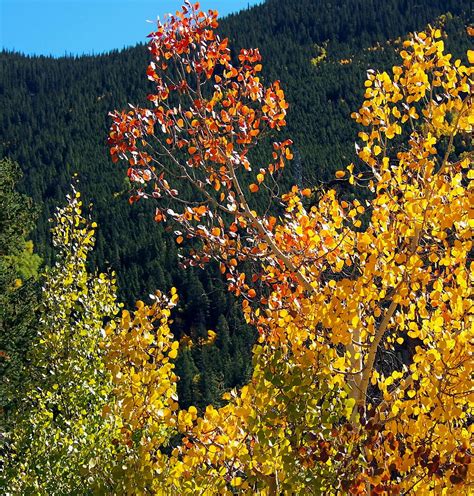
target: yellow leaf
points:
(236, 481)
(173, 354)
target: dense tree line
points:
(19, 268)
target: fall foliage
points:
(59, 439)
(362, 373)
(337, 287)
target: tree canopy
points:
(342, 285)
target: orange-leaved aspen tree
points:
(347, 284)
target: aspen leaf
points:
(253, 188)
(173, 353)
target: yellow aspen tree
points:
(60, 443)
(140, 352)
(336, 287)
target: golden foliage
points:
(348, 282)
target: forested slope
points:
(54, 122)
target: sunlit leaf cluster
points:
(60, 439)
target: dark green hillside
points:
(54, 122)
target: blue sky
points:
(59, 27)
